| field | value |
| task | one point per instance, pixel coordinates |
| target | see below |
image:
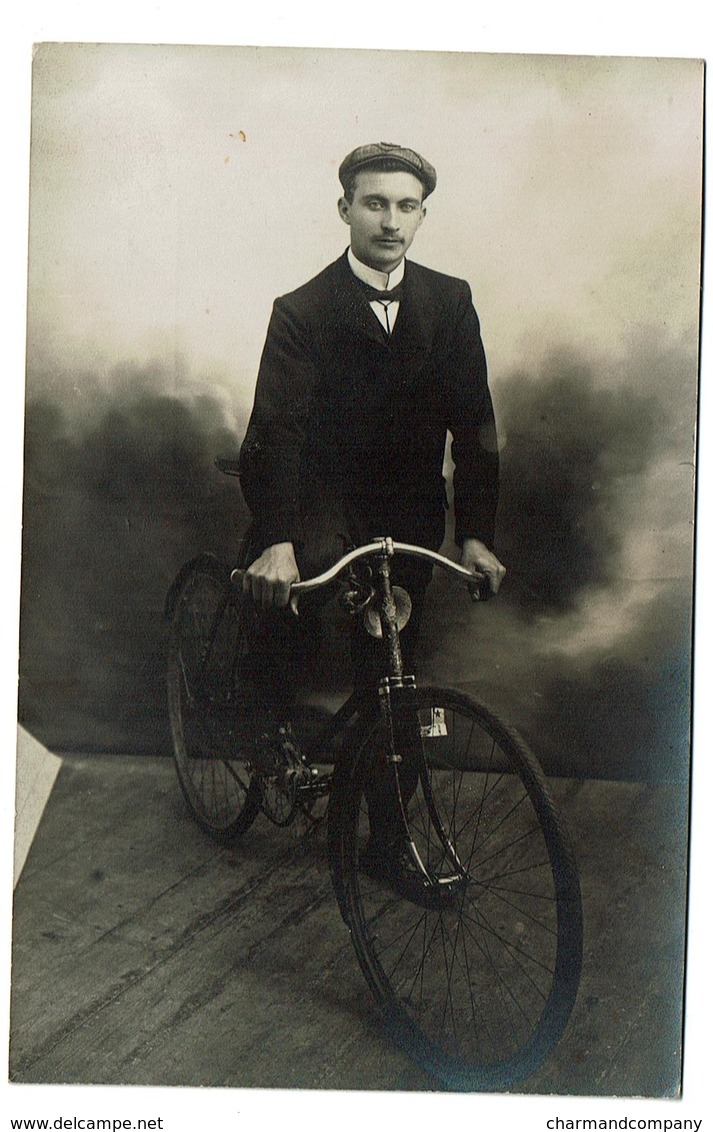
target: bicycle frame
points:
(447, 857)
(396, 689)
(383, 550)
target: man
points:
(365, 368)
(364, 371)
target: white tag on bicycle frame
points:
(437, 726)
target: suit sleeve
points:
(271, 453)
(471, 422)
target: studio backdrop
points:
(175, 192)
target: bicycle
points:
(472, 950)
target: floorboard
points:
(146, 955)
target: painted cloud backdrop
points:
(176, 191)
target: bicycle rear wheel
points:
(476, 973)
(211, 709)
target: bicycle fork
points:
(405, 753)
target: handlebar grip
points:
(478, 589)
(237, 577)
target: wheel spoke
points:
(470, 967)
(479, 921)
(208, 638)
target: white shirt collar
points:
(380, 279)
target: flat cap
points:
(377, 152)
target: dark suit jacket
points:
(339, 403)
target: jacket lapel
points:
(412, 337)
(349, 309)
(413, 333)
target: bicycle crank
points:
(284, 777)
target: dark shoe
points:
(380, 861)
(394, 867)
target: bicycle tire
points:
(212, 716)
(479, 988)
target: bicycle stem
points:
(387, 614)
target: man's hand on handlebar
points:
(476, 557)
(272, 575)
(269, 578)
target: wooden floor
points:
(146, 955)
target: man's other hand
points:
(476, 557)
(269, 578)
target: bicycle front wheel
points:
(211, 710)
(476, 972)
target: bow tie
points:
(373, 294)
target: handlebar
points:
(382, 546)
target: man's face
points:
(383, 217)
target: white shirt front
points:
(382, 281)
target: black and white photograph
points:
(357, 570)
